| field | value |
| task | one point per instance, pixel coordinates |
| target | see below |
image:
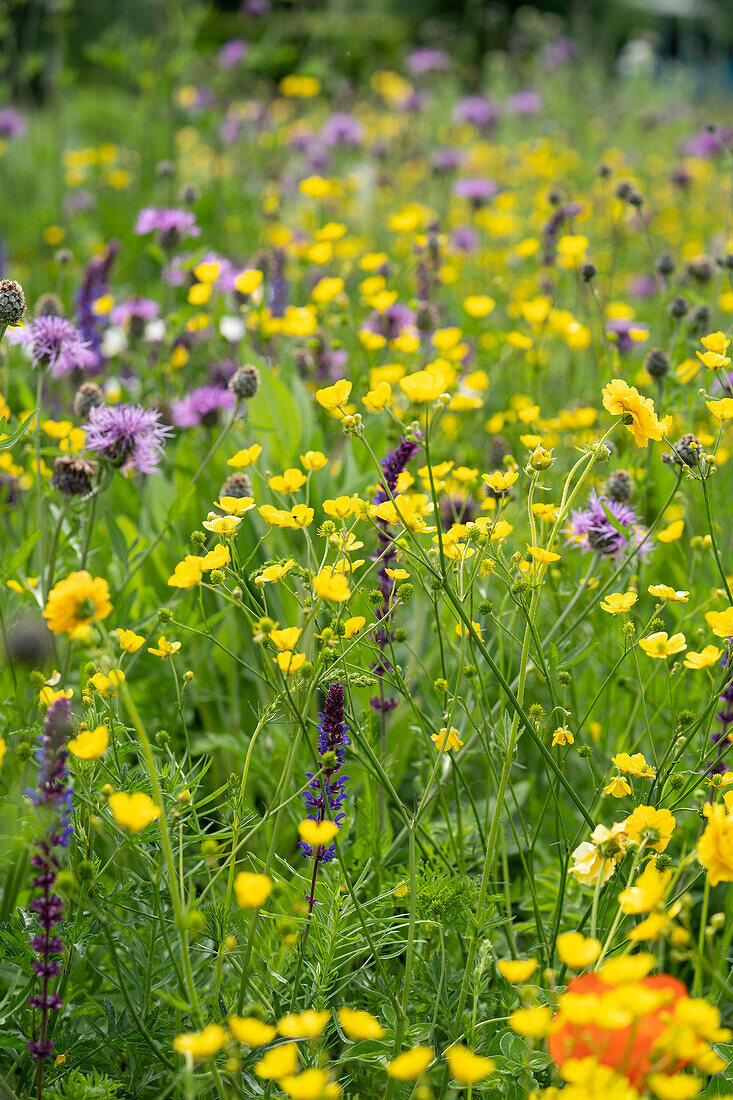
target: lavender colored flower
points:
(54, 343)
(708, 143)
(127, 436)
(390, 322)
(256, 9)
(134, 314)
(232, 52)
(80, 201)
(12, 123)
(202, 406)
(427, 60)
(477, 110)
(590, 529)
(171, 223)
(392, 466)
(476, 191)
(558, 51)
(621, 329)
(446, 159)
(341, 128)
(465, 238)
(643, 286)
(53, 798)
(325, 796)
(721, 736)
(525, 102)
(94, 285)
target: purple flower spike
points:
(325, 795)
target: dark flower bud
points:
(49, 305)
(64, 256)
(656, 363)
(88, 396)
(700, 269)
(588, 271)
(236, 485)
(699, 318)
(245, 382)
(619, 486)
(623, 190)
(164, 169)
(12, 302)
(665, 264)
(604, 171)
(28, 642)
(189, 194)
(635, 199)
(686, 451)
(72, 475)
(678, 307)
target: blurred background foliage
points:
(54, 41)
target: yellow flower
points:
(467, 1067)
(358, 1024)
(379, 398)
(129, 641)
(720, 622)
(499, 482)
(89, 744)
(618, 603)
(423, 386)
(47, 695)
(278, 1062)
(411, 1063)
(202, 1044)
(333, 397)
(317, 834)
(251, 1031)
(617, 787)
(187, 573)
(577, 951)
(353, 625)
(274, 573)
(672, 532)
(165, 648)
(661, 646)
(108, 684)
(326, 289)
(478, 305)
(531, 1022)
(216, 558)
(653, 826)
(245, 457)
(543, 556)
(633, 765)
(221, 525)
(313, 460)
(516, 971)
(308, 1085)
(248, 280)
(303, 1025)
(562, 736)
(681, 1086)
(626, 969)
(286, 638)
(647, 892)
(664, 592)
(447, 739)
(715, 846)
(710, 655)
(252, 890)
(289, 662)
(76, 601)
(721, 410)
(133, 811)
(235, 506)
(637, 412)
(331, 586)
(289, 481)
(600, 853)
(3, 749)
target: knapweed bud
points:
(236, 485)
(701, 269)
(88, 396)
(245, 381)
(164, 169)
(665, 264)
(678, 307)
(656, 363)
(189, 194)
(588, 271)
(28, 642)
(49, 305)
(72, 476)
(12, 302)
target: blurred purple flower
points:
(476, 191)
(12, 123)
(465, 238)
(477, 110)
(341, 128)
(172, 223)
(621, 329)
(525, 102)
(427, 60)
(590, 529)
(202, 406)
(232, 52)
(127, 436)
(55, 344)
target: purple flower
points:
(232, 52)
(476, 191)
(95, 284)
(324, 796)
(708, 143)
(172, 223)
(390, 322)
(392, 466)
(720, 737)
(202, 406)
(477, 110)
(12, 123)
(465, 238)
(256, 9)
(643, 286)
(446, 159)
(53, 798)
(54, 343)
(525, 102)
(426, 60)
(557, 52)
(341, 128)
(134, 314)
(127, 436)
(621, 329)
(590, 529)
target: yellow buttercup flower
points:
(467, 1067)
(664, 592)
(331, 586)
(533, 1023)
(187, 573)
(636, 412)
(90, 744)
(333, 397)
(311, 1084)
(201, 1045)
(216, 558)
(411, 1063)
(252, 890)
(317, 834)
(720, 622)
(545, 557)
(108, 684)
(650, 826)
(478, 305)
(272, 573)
(222, 525)
(647, 893)
(129, 641)
(618, 603)
(133, 811)
(246, 457)
(447, 739)
(576, 950)
(633, 765)
(358, 1024)
(303, 1025)
(661, 646)
(672, 532)
(165, 649)
(516, 971)
(715, 846)
(617, 787)
(248, 280)
(251, 1031)
(708, 656)
(289, 662)
(235, 506)
(313, 460)
(721, 410)
(280, 1061)
(77, 601)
